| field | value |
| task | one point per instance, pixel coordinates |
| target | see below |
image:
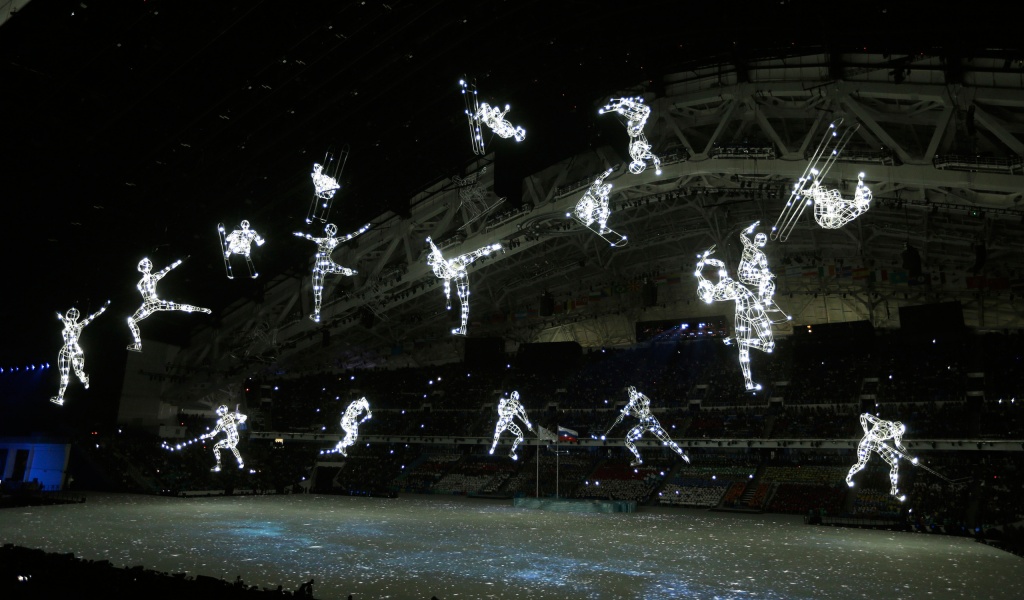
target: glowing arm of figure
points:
(89, 319)
(468, 258)
(359, 231)
(159, 274)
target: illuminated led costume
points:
(752, 324)
(240, 242)
(71, 355)
(322, 264)
(228, 423)
(455, 268)
(809, 189)
(639, 406)
(481, 113)
(636, 113)
(151, 303)
(876, 432)
(508, 409)
(593, 210)
(350, 423)
(832, 211)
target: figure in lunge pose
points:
(150, 302)
(639, 406)
(350, 422)
(240, 242)
(876, 432)
(508, 409)
(455, 268)
(322, 264)
(71, 355)
(228, 423)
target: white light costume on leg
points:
(508, 409)
(239, 242)
(350, 422)
(455, 268)
(481, 113)
(593, 210)
(876, 432)
(832, 211)
(639, 406)
(71, 355)
(809, 187)
(228, 423)
(752, 324)
(636, 113)
(753, 270)
(151, 303)
(322, 263)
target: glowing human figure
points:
(71, 355)
(832, 211)
(636, 113)
(228, 423)
(876, 432)
(752, 324)
(324, 186)
(350, 422)
(240, 242)
(322, 264)
(151, 303)
(455, 268)
(494, 117)
(753, 269)
(639, 406)
(508, 409)
(593, 210)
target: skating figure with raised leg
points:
(350, 422)
(455, 268)
(228, 423)
(71, 355)
(508, 409)
(876, 432)
(752, 325)
(239, 242)
(322, 263)
(639, 406)
(151, 303)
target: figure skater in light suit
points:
(150, 302)
(71, 355)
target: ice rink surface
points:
(456, 547)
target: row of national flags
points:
(949, 280)
(564, 434)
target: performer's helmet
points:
(73, 314)
(222, 410)
(761, 239)
(245, 224)
(145, 265)
(331, 229)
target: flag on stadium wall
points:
(546, 434)
(567, 435)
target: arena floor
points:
(415, 547)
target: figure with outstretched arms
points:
(71, 356)
(239, 242)
(151, 303)
(322, 263)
